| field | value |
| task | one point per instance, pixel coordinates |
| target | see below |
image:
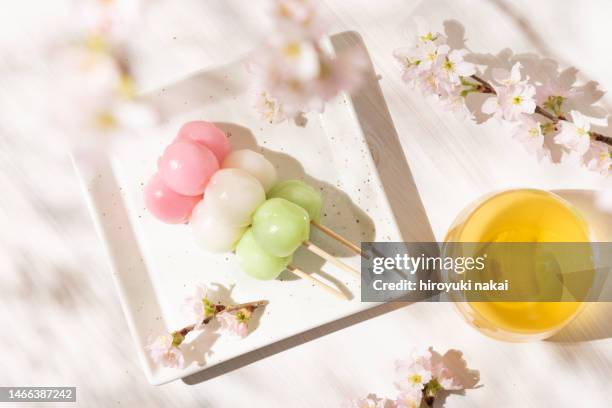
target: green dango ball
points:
(301, 194)
(280, 227)
(256, 262)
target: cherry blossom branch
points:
(295, 74)
(533, 110)
(486, 88)
(422, 378)
(166, 350)
(249, 307)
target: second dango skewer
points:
(223, 217)
(221, 223)
(294, 191)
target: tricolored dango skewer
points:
(234, 212)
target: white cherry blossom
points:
(299, 18)
(454, 67)
(514, 96)
(294, 74)
(431, 55)
(508, 78)
(412, 375)
(574, 136)
(409, 60)
(425, 34)
(511, 102)
(597, 157)
(529, 133)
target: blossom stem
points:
(221, 308)
(486, 88)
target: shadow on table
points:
(290, 342)
(384, 142)
(396, 177)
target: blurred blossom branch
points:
(535, 111)
(295, 73)
(202, 310)
(91, 89)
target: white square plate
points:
(155, 265)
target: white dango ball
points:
(212, 234)
(253, 163)
(233, 195)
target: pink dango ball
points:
(207, 134)
(186, 167)
(167, 205)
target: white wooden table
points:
(61, 321)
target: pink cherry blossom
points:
(408, 59)
(574, 136)
(445, 377)
(233, 325)
(200, 306)
(165, 351)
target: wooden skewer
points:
(316, 282)
(339, 238)
(328, 257)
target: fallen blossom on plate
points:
(234, 324)
(202, 308)
(165, 351)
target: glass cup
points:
(522, 215)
